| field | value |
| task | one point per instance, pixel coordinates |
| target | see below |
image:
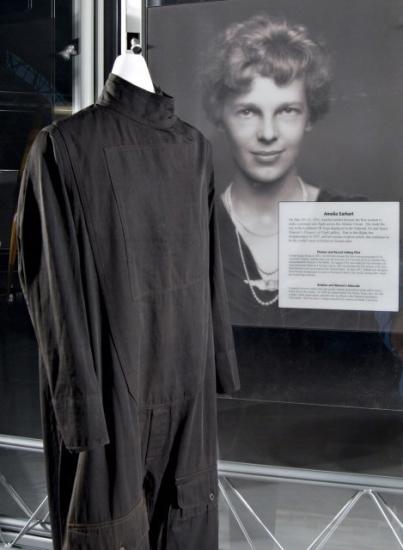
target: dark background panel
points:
(8, 7)
(19, 382)
(35, 81)
(112, 16)
(312, 437)
(34, 78)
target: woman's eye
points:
(290, 110)
(245, 112)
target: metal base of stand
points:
(30, 523)
(35, 531)
(8, 537)
(225, 482)
(233, 497)
(30, 542)
(387, 513)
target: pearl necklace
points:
(228, 193)
(228, 200)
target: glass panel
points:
(36, 86)
(13, 7)
(327, 382)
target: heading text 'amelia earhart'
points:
(334, 213)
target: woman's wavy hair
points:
(268, 47)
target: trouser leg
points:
(181, 477)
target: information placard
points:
(339, 255)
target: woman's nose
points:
(267, 130)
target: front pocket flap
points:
(196, 489)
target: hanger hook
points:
(135, 46)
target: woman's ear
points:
(308, 126)
(220, 126)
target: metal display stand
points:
(34, 531)
(361, 485)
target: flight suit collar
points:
(155, 109)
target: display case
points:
(318, 342)
(310, 447)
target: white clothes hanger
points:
(132, 66)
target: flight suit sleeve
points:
(50, 275)
(225, 358)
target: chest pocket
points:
(159, 196)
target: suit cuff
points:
(81, 422)
(227, 372)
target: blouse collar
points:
(154, 109)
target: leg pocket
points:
(193, 520)
(129, 532)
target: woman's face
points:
(265, 128)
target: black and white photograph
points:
(301, 102)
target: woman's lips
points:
(267, 157)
